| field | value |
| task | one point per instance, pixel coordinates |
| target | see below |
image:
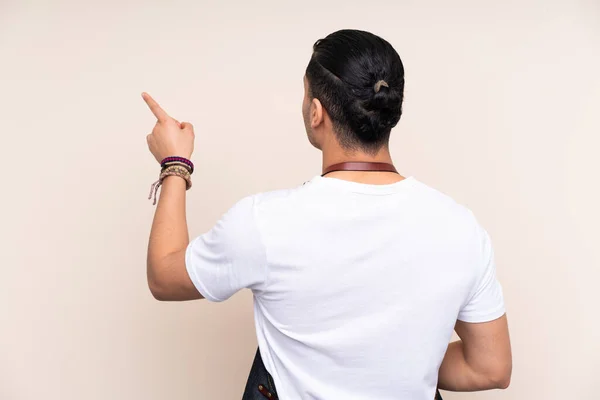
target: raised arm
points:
(166, 271)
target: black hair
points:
(345, 74)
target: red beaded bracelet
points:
(179, 160)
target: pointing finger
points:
(158, 112)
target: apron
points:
(260, 385)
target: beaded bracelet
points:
(173, 170)
(181, 164)
(178, 159)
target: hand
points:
(169, 137)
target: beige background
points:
(501, 112)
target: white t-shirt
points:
(357, 287)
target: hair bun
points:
(379, 112)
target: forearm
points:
(169, 233)
(457, 375)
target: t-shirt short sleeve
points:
(486, 301)
(230, 256)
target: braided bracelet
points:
(173, 170)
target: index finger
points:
(158, 112)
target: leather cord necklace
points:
(360, 166)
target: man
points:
(359, 276)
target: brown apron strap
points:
(360, 166)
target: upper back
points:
(360, 276)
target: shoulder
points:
(248, 210)
(275, 199)
(449, 219)
(440, 203)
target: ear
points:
(316, 113)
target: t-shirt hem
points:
(194, 276)
(487, 317)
